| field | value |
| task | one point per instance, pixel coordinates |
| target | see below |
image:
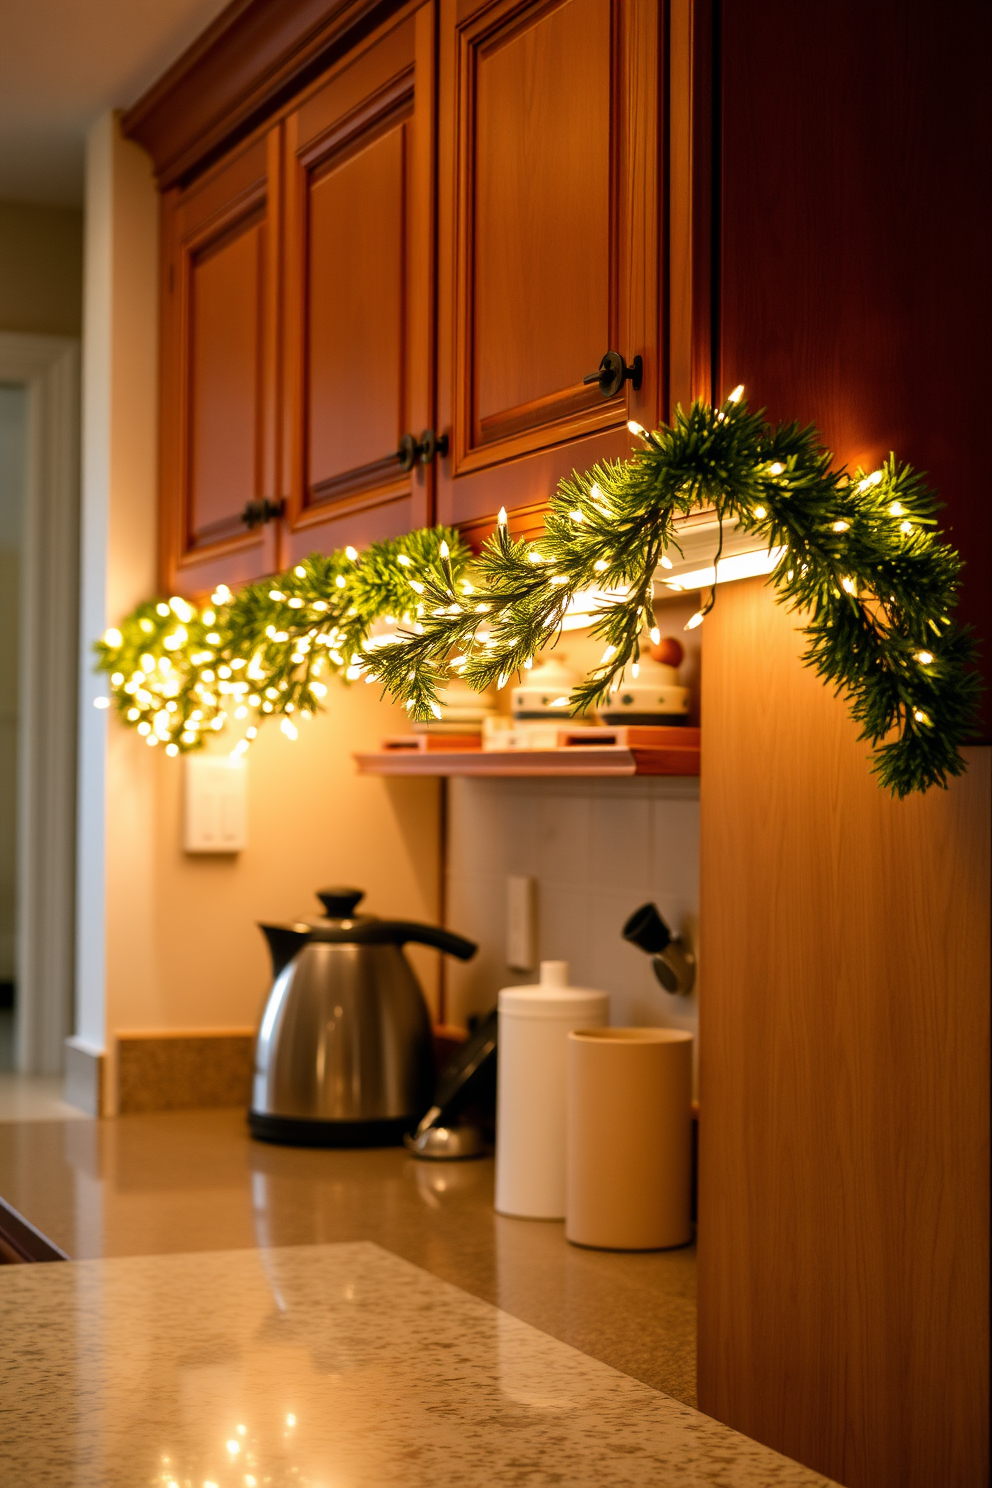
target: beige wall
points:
(166, 940)
(41, 269)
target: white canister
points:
(534, 1024)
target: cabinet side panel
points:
(844, 1079)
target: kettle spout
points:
(284, 942)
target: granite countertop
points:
(238, 1313)
(323, 1365)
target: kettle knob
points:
(340, 904)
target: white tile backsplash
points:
(598, 849)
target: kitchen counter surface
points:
(182, 1181)
(417, 1338)
(323, 1365)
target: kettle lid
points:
(339, 903)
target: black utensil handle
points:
(432, 935)
(647, 930)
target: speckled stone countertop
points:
(183, 1181)
(327, 1366)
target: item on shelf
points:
(671, 956)
(534, 1023)
(544, 691)
(629, 1138)
(462, 711)
(467, 1081)
(654, 695)
(345, 1056)
(509, 733)
(431, 743)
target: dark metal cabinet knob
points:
(407, 452)
(614, 372)
(423, 449)
(257, 513)
(432, 444)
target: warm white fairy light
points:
(905, 528)
(655, 634)
(776, 468)
(101, 702)
(874, 479)
(737, 394)
(924, 657)
(697, 619)
(841, 527)
(501, 517)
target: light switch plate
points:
(215, 815)
(521, 922)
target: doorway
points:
(39, 663)
(13, 477)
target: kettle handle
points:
(405, 931)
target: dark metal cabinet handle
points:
(407, 452)
(613, 373)
(423, 449)
(257, 513)
(432, 444)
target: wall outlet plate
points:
(521, 923)
(215, 808)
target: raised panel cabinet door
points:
(359, 293)
(219, 475)
(549, 243)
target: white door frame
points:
(48, 368)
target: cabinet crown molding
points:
(254, 57)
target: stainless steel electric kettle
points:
(344, 1055)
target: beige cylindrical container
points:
(629, 1138)
(534, 1023)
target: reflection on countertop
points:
(325, 1365)
(185, 1181)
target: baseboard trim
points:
(184, 1069)
(83, 1077)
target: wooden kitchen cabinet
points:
(358, 293)
(549, 243)
(442, 231)
(220, 259)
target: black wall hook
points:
(614, 372)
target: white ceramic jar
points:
(534, 1024)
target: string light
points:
(697, 619)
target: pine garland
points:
(861, 559)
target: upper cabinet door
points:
(359, 293)
(548, 243)
(218, 455)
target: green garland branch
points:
(860, 559)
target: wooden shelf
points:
(621, 752)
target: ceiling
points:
(62, 63)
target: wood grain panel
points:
(549, 239)
(844, 1080)
(226, 307)
(857, 237)
(542, 162)
(219, 378)
(358, 294)
(356, 309)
